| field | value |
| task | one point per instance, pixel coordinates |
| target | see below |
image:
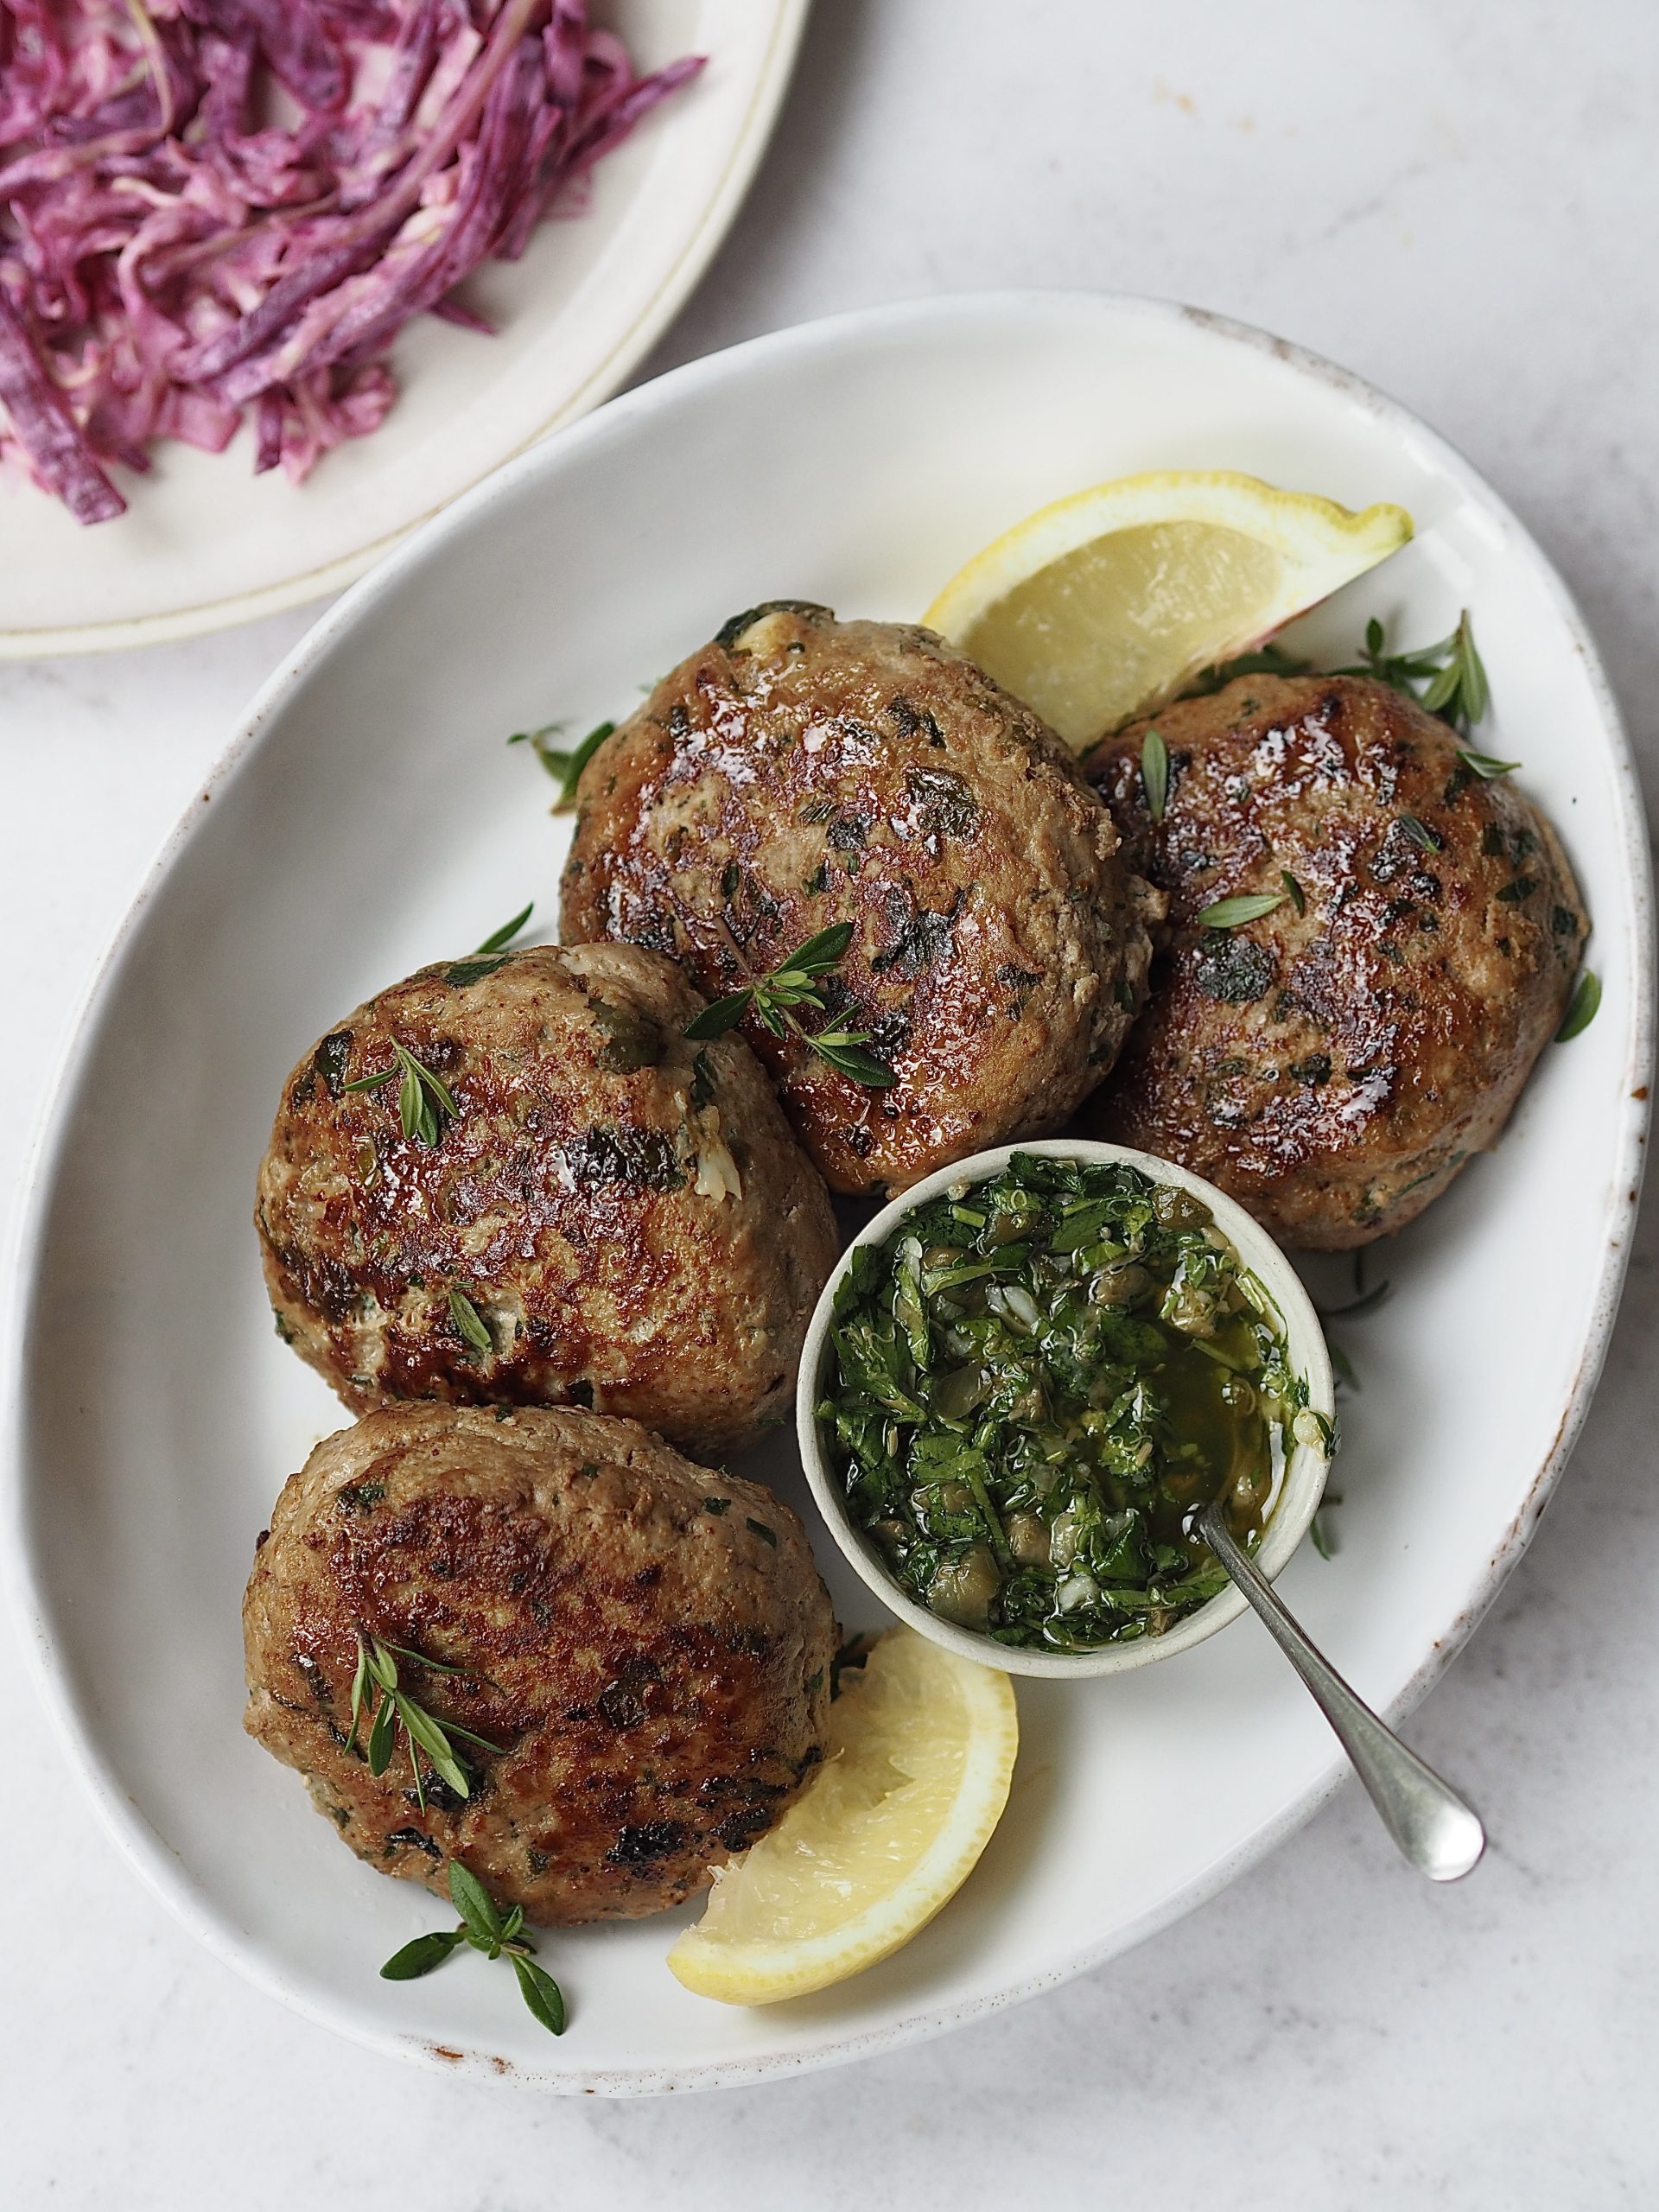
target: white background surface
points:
(1460, 203)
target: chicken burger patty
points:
(1332, 1063)
(800, 771)
(644, 1647)
(590, 1210)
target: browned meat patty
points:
(1332, 1064)
(627, 1214)
(800, 771)
(646, 1644)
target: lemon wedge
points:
(1103, 605)
(919, 1759)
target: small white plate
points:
(205, 544)
(369, 818)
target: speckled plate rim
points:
(748, 145)
(159, 1867)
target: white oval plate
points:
(369, 818)
(205, 544)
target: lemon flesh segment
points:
(918, 1757)
(1102, 607)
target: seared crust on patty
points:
(628, 1213)
(1332, 1064)
(798, 771)
(648, 1644)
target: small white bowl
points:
(1306, 1469)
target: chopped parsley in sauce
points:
(1035, 1385)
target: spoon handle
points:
(1434, 1828)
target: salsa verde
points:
(1036, 1384)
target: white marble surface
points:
(1458, 201)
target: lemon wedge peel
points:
(1099, 606)
(920, 1757)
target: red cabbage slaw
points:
(210, 209)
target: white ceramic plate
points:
(369, 818)
(205, 544)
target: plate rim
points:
(161, 1870)
(721, 211)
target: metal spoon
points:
(1437, 1832)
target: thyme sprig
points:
(491, 955)
(377, 1694)
(467, 1319)
(499, 940)
(498, 1935)
(425, 1102)
(773, 998)
(1448, 679)
(564, 767)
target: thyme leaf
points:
(540, 1992)
(499, 940)
(1367, 1302)
(720, 1015)
(422, 1954)
(491, 955)
(377, 1689)
(1363, 1301)
(1582, 1009)
(1459, 691)
(843, 1050)
(1266, 660)
(381, 1731)
(1448, 679)
(1323, 1535)
(424, 1100)
(461, 973)
(359, 1684)
(565, 768)
(1233, 913)
(474, 1904)
(1484, 766)
(1154, 773)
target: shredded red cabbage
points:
(214, 207)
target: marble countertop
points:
(1460, 207)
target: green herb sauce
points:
(1037, 1381)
